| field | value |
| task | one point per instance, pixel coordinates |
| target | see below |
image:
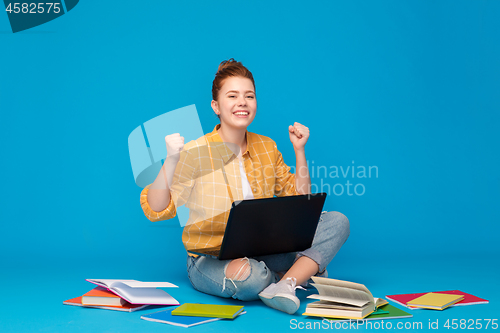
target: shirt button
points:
(255, 190)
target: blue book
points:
(166, 317)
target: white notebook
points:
(137, 292)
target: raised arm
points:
(158, 196)
(298, 136)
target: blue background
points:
(408, 86)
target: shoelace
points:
(293, 284)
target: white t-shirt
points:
(247, 190)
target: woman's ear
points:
(215, 107)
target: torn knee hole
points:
(238, 269)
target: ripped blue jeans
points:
(208, 275)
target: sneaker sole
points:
(282, 302)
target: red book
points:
(469, 299)
(77, 301)
(102, 296)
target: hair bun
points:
(227, 63)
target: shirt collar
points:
(226, 153)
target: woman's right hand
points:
(159, 192)
(175, 143)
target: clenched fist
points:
(298, 135)
(175, 143)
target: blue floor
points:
(32, 295)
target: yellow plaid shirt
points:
(199, 184)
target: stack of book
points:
(347, 300)
(124, 295)
(190, 314)
(439, 300)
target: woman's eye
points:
(231, 96)
(252, 97)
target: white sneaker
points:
(281, 296)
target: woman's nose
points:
(242, 101)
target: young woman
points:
(229, 164)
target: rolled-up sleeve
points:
(168, 213)
(182, 185)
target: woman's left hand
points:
(298, 135)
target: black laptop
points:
(268, 226)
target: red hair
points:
(229, 68)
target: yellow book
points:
(208, 310)
(341, 299)
(435, 301)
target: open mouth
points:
(241, 113)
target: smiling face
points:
(236, 105)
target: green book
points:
(208, 310)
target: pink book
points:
(469, 299)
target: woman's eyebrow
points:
(236, 91)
